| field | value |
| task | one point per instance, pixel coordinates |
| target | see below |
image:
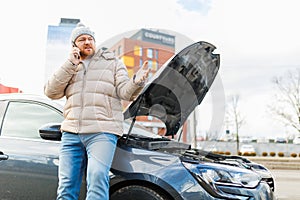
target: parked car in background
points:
(145, 166)
(281, 140)
(262, 140)
(246, 139)
(296, 140)
(247, 149)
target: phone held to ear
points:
(76, 55)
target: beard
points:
(87, 52)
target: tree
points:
(286, 107)
(234, 117)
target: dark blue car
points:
(146, 165)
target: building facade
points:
(145, 45)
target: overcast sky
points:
(257, 40)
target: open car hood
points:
(178, 86)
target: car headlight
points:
(222, 177)
(215, 178)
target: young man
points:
(94, 84)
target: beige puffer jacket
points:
(93, 96)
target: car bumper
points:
(261, 192)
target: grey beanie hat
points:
(81, 29)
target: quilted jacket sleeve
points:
(126, 89)
(56, 85)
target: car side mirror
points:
(50, 131)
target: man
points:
(94, 84)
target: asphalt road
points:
(287, 184)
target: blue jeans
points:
(90, 153)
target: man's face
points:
(86, 44)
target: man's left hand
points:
(141, 76)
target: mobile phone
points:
(77, 55)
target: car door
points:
(28, 165)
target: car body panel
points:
(32, 162)
(31, 167)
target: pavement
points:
(288, 163)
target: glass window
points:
(138, 51)
(141, 62)
(154, 65)
(141, 51)
(156, 54)
(150, 53)
(24, 119)
(150, 64)
(119, 50)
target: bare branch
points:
(287, 99)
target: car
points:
(246, 139)
(247, 149)
(146, 165)
(281, 140)
(296, 140)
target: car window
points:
(3, 105)
(23, 119)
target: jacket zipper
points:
(82, 99)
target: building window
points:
(141, 62)
(119, 50)
(156, 54)
(150, 64)
(128, 61)
(138, 51)
(154, 65)
(150, 53)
